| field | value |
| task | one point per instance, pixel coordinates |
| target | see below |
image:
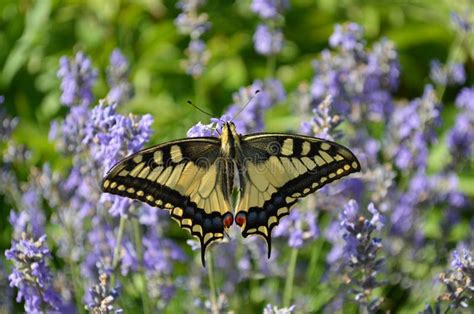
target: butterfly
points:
(194, 179)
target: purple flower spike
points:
(267, 41)
(77, 78)
(117, 76)
(269, 9)
(459, 280)
(31, 275)
(361, 251)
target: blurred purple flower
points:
(361, 251)
(459, 280)
(197, 57)
(269, 9)
(348, 37)
(30, 217)
(273, 309)
(450, 74)
(460, 138)
(359, 80)
(191, 22)
(99, 257)
(202, 130)
(268, 37)
(117, 76)
(31, 275)
(160, 255)
(268, 41)
(299, 226)
(412, 129)
(68, 134)
(464, 21)
(101, 297)
(323, 122)
(465, 99)
(7, 124)
(77, 78)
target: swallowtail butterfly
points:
(193, 179)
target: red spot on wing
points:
(240, 219)
(228, 220)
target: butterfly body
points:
(194, 179)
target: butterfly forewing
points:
(184, 177)
(277, 170)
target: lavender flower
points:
(191, 22)
(299, 226)
(30, 218)
(464, 21)
(273, 309)
(348, 37)
(200, 130)
(412, 129)
(117, 76)
(450, 74)
(101, 297)
(460, 138)
(465, 99)
(361, 252)
(69, 133)
(459, 280)
(268, 41)
(322, 124)
(359, 80)
(7, 124)
(6, 304)
(197, 58)
(31, 275)
(78, 77)
(268, 37)
(269, 9)
(98, 138)
(159, 257)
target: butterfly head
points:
(229, 130)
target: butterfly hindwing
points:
(277, 170)
(184, 177)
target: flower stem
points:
(313, 272)
(287, 295)
(76, 285)
(137, 237)
(271, 63)
(118, 245)
(212, 285)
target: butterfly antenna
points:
(205, 112)
(248, 102)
